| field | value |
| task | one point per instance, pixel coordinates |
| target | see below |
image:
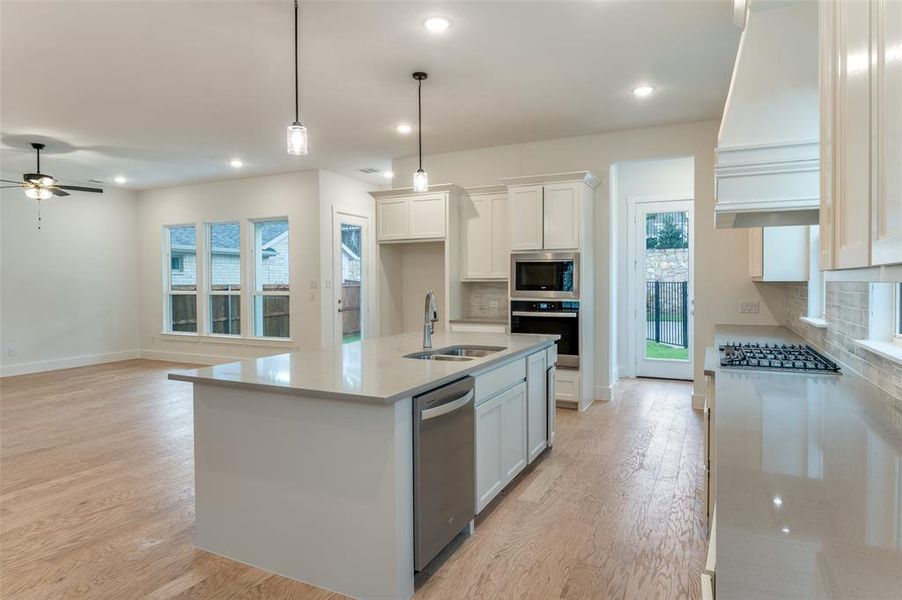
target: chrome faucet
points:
(429, 318)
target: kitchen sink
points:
(456, 353)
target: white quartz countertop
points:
(372, 370)
(809, 482)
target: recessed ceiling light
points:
(778, 501)
(404, 128)
(785, 530)
(120, 179)
(236, 163)
(643, 90)
(388, 174)
(436, 24)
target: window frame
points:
(209, 292)
(252, 290)
(168, 292)
(896, 337)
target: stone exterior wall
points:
(667, 265)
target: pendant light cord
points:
(420, 120)
(296, 85)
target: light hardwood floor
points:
(97, 500)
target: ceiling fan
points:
(40, 186)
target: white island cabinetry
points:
(304, 462)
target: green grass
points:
(351, 337)
(656, 350)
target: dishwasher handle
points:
(443, 409)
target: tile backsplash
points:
(847, 312)
(486, 299)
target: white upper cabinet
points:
(561, 216)
(527, 225)
(779, 253)
(547, 210)
(402, 215)
(485, 236)
(861, 127)
(886, 242)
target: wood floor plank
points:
(97, 500)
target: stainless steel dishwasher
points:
(444, 478)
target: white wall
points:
(350, 196)
(291, 195)
(721, 255)
(69, 292)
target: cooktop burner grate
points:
(775, 357)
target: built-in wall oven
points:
(552, 317)
(545, 275)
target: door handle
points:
(431, 413)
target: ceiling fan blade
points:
(78, 188)
(8, 181)
(58, 192)
(3, 187)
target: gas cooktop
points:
(775, 357)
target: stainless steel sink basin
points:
(452, 353)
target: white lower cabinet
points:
(537, 405)
(500, 442)
(567, 382)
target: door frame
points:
(366, 279)
(635, 204)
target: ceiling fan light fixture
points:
(297, 139)
(38, 193)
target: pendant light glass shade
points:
(297, 139)
(36, 193)
(420, 181)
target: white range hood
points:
(767, 168)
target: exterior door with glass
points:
(663, 289)
(349, 279)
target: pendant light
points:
(420, 178)
(297, 133)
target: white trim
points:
(698, 401)
(217, 338)
(814, 322)
(888, 350)
(586, 177)
(67, 363)
(188, 357)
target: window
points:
(224, 264)
(817, 285)
(181, 283)
(271, 280)
(897, 313)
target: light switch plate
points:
(749, 308)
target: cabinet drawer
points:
(567, 384)
(489, 384)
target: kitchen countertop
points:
(372, 370)
(809, 482)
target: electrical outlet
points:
(10, 351)
(749, 308)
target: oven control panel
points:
(543, 306)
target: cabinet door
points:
(513, 432)
(526, 229)
(827, 85)
(393, 218)
(501, 239)
(552, 405)
(561, 216)
(489, 476)
(476, 237)
(756, 252)
(785, 253)
(852, 137)
(886, 232)
(537, 405)
(427, 216)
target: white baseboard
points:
(67, 363)
(698, 401)
(188, 357)
(604, 392)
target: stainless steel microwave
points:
(541, 275)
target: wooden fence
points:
(350, 307)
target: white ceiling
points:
(166, 92)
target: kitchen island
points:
(304, 462)
(807, 477)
